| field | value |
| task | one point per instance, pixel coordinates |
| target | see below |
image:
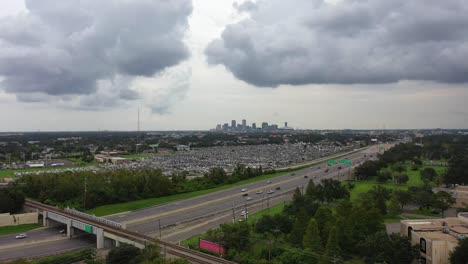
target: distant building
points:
(244, 123)
(274, 127)
(436, 237)
(265, 125)
(101, 158)
(35, 164)
(254, 126)
(285, 124)
(218, 127)
(183, 148)
(225, 126)
(233, 123)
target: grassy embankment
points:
(5, 230)
(139, 204)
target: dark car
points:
(339, 168)
(305, 176)
(326, 170)
(278, 188)
(245, 194)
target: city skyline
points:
(355, 76)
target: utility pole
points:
(85, 190)
(246, 212)
(233, 215)
(268, 203)
(159, 223)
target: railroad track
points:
(191, 255)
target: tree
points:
(325, 221)
(383, 176)
(382, 248)
(460, 254)
(401, 178)
(394, 207)
(399, 168)
(124, 254)
(428, 174)
(332, 250)
(235, 236)
(299, 228)
(333, 189)
(11, 200)
(291, 257)
(458, 169)
(378, 197)
(442, 201)
(404, 197)
(367, 169)
(311, 240)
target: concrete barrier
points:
(18, 219)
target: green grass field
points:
(5, 230)
(414, 180)
(365, 186)
(414, 176)
(11, 173)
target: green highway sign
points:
(331, 162)
(88, 228)
(342, 161)
(349, 162)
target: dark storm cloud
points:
(66, 47)
(354, 41)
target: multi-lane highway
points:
(147, 221)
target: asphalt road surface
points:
(45, 249)
(147, 220)
(37, 234)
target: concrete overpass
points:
(109, 233)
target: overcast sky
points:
(191, 64)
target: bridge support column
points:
(117, 243)
(44, 218)
(70, 229)
(99, 238)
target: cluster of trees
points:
(88, 189)
(452, 148)
(128, 254)
(309, 231)
(11, 200)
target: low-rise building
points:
(183, 148)
(436, 237)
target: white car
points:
(270, 191)
(244, 213)
(22, 235)
(268, 182)
(259, 192)
(244, 190)
(248, 198)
